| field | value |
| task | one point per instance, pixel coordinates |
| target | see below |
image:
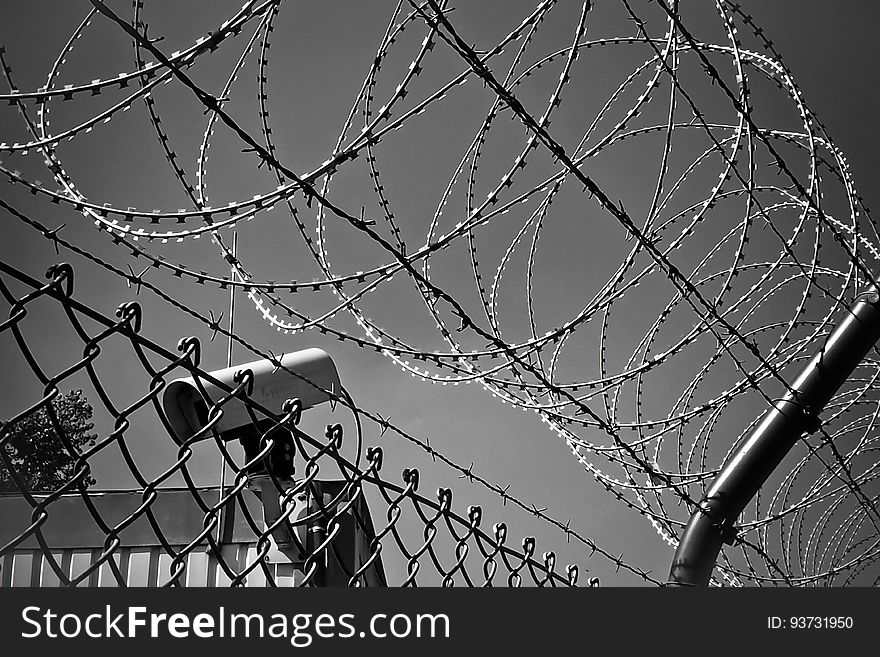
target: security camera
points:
(308, 375)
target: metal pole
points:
(317, 534)
(712, 524)
(223, 518)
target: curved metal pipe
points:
(712, 524)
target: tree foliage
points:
(36, 452)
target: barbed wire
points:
(719, 278)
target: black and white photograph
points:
(425, 294)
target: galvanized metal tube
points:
(795, 414)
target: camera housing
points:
(308, 375)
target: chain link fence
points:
(436, 543)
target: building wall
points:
(143, 566)
(70, 530)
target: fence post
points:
(712, 524)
